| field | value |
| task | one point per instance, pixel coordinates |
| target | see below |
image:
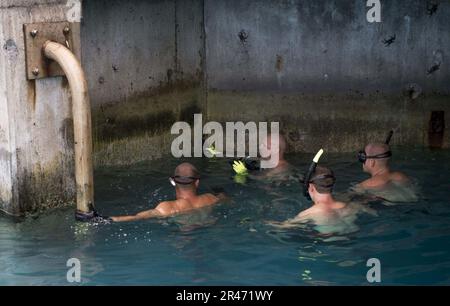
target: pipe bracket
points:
(35, 35)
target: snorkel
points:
(310, 172)
(389, 136)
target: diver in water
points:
(384, 184)
(318, 185)
(375, 161)
(281, 171)
(186, 181)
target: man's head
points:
(185, 177)
(321, 182)
(274, 147)
(376, 156)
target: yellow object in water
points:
(239, 167)
(240, 179)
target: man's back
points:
(321, 213)
(381, 180)
(186, 204)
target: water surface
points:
(231, 244)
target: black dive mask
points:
(363, 157)
(182, 180)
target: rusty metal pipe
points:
(81, 110)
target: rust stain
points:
(31, 94)
(279, 63)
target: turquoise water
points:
(231, 244)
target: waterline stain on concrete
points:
(139, 128)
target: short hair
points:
(323, 180)
(187, 170)
(184, 172)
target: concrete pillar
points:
(36, 127)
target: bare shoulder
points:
(373, 182)
(210, 198)
(365, 184)
(306, 214)
(167, 207)
(399, 177)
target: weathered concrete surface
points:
(317, 66)
(326, 46)
(5, 149)
(36, 147)
(144, 63)
(325, 72)
(140, 129)
(335, 122)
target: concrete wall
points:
(318, 67)
(325, 46)
(325, 72)
(36, 147)
(144, 63)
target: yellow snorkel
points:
(317, 157)
(311, 170)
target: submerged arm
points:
(298, 221)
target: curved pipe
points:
(81, 110)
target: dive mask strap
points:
(182, 180)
